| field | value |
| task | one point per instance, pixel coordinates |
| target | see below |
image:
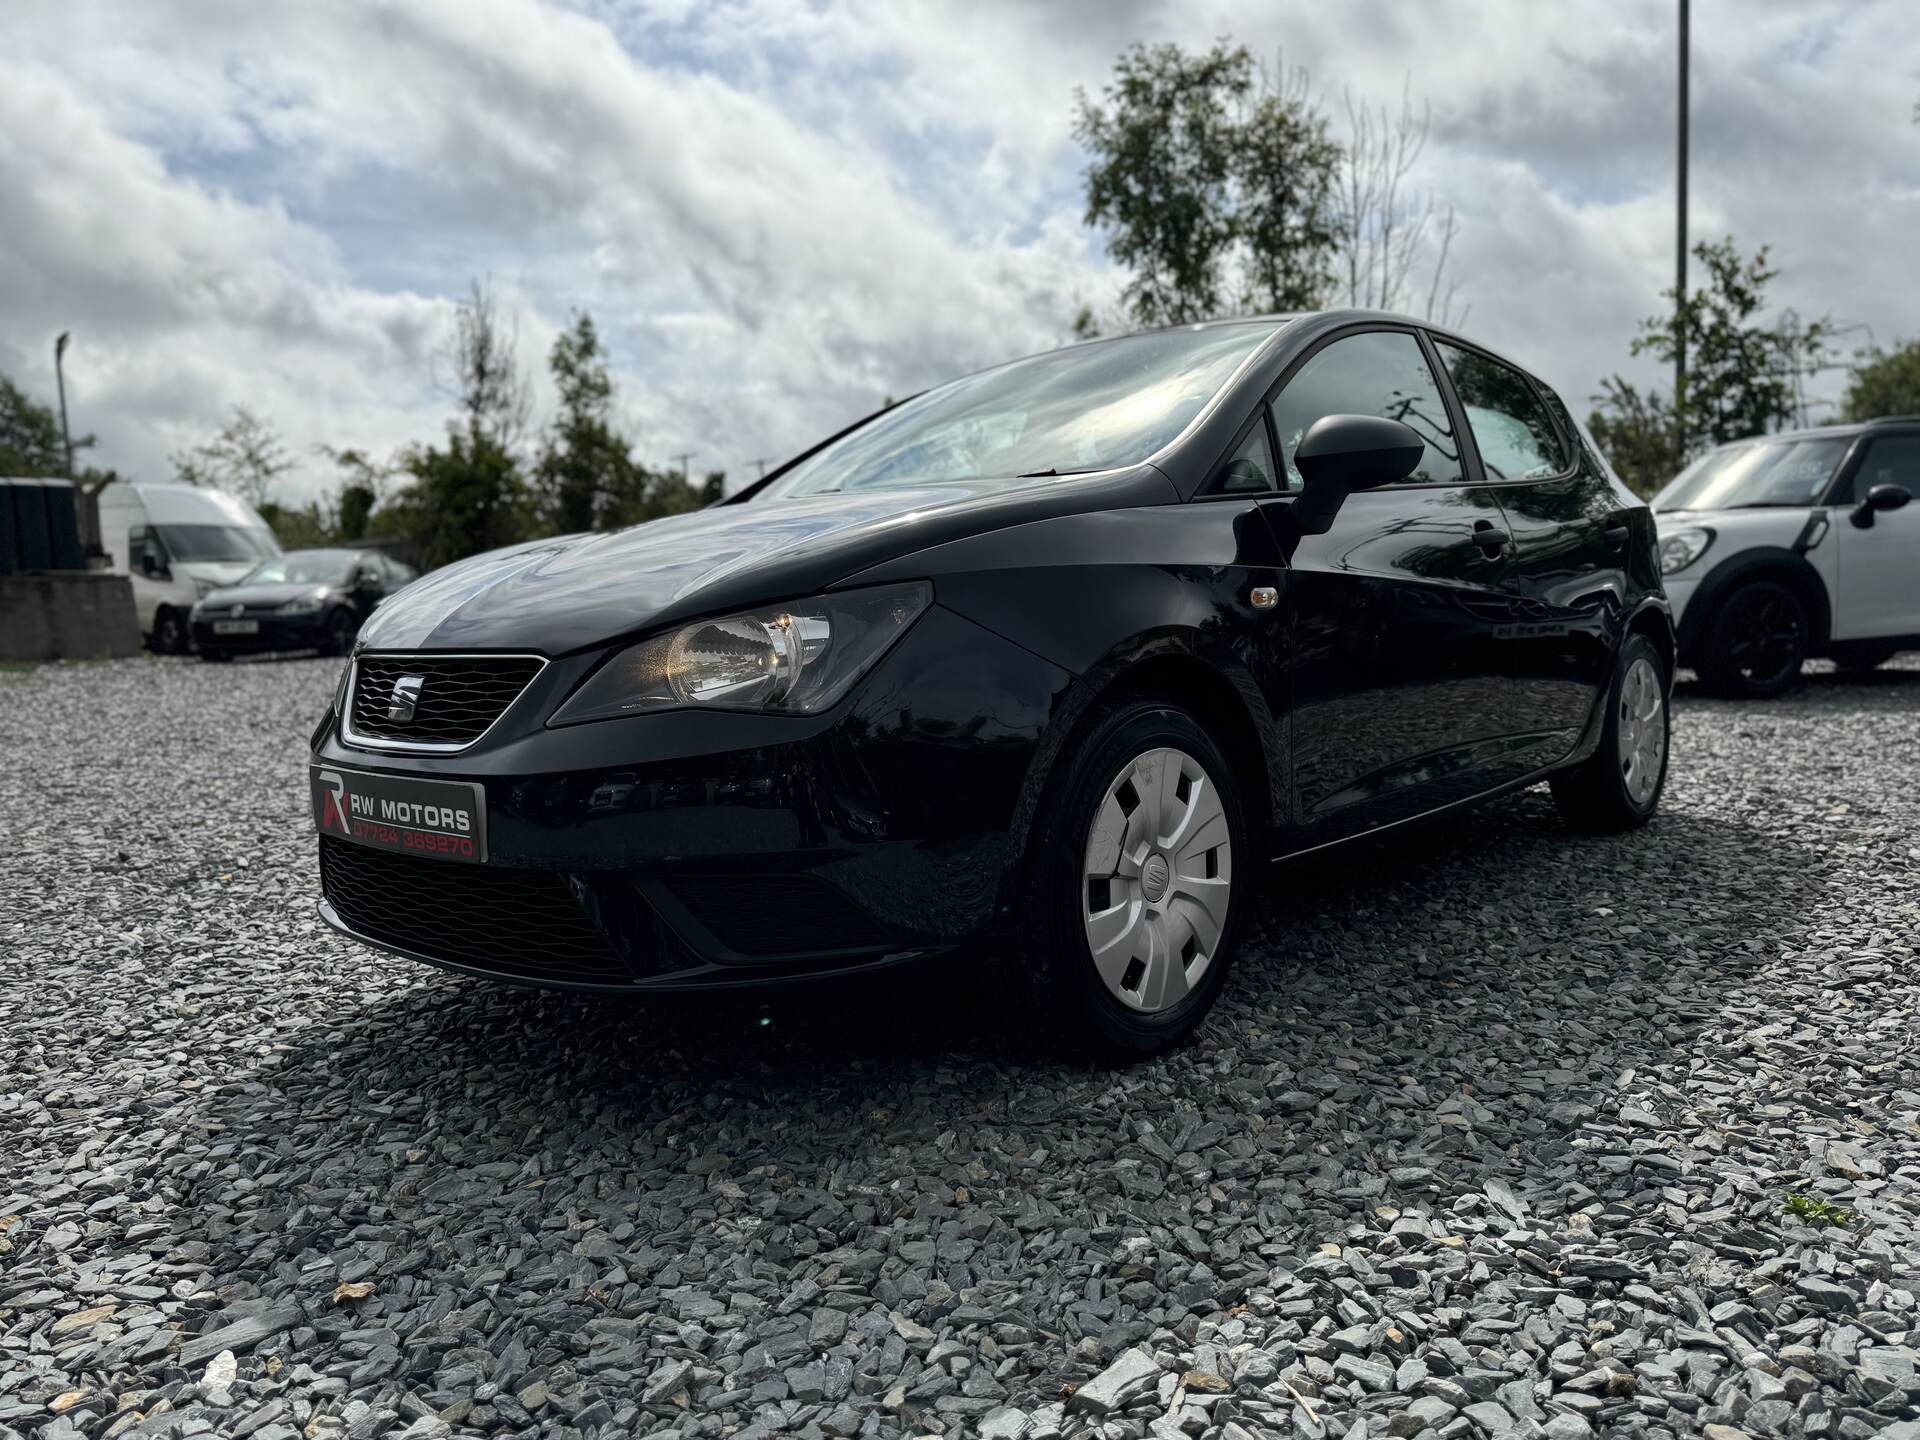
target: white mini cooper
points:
(1788, 546)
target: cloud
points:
(780, 212)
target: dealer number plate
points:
(434, 819)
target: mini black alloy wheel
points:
(1757, 642)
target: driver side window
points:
(1379, 372)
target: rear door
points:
(1566, 574)
(1400, 697)
(1879, 564)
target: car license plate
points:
(434, 819)
(236, 627)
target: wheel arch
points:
(1764, 562)
(1175, 669)
(1653, 621)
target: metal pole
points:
(60, 379)
(683, 458)
(1680, 249)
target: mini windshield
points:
(305, 567)
(217, 543)
(1092, 407)
(1756, 473)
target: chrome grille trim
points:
(429, 747)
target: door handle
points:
(1617, 535)
(1491, 538)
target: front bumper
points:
(703, 848)
(277, 632)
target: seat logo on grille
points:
(406, 695)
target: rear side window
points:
(1380, 372)
(1516, 436)
(1890, 460)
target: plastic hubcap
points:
(1156, 880)
(1643, 730)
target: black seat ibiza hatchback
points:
(1050, 657)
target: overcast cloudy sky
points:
(780, 211)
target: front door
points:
(1879, 564)
(1400, 691)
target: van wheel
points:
(1756, 642)
(169, 632)
(1132, 899)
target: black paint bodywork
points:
(1402, 671)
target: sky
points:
(780, 212)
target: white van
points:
(177, 542)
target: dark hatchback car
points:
(1050, 657)
(304, 599)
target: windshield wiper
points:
(1052, 471)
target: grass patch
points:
(1815, 1211)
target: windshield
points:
(1093, 407)
(304, 567)
(1761, 472)
(217, 543)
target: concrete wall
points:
(67, 615)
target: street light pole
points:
(1680, 246)
(60, 380)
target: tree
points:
(30, 435)
(1884, 382)
(1634, 430)
(1743, 374)
(362, 481)
(244, 458)
(1213, 182)
(584, 462)
(466, 497)
(480, 366)
(1385, 228)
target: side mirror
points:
(365, 580)
(1343, 453)
(1880, 497)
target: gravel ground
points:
(1498, 1130)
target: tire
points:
(1756, 642)
(341, 628)
(1170, 900)
(1618, 787)
(1861, 656)
(169, 632)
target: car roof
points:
(1840, 430)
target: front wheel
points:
(1757, 642)
(1618, 786)
(341, 628)
(1133, 898)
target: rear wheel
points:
(1618, 787)
(1132, 905)
(1756, 642)
(1862, 655)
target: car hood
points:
(1754, 525)
(558, 596)
(214, 572)
(259, 596)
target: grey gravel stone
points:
(1495, 1126)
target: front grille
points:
(459, 696)
(523, 923)
(777, 914)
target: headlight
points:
(1680, 548)
(795, 659)
(204, 588)
(301, 605)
